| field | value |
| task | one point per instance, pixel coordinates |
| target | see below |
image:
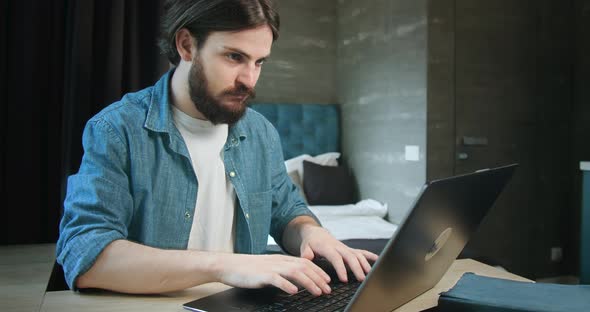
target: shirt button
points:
(232, 174)
(247, 216)
(187, 215)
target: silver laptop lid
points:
(443, 218)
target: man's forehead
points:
(255, 42)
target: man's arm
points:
(128, 267)
(304, 237)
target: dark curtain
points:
(61, 61)
(110, 50)
(31, 71)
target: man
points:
(180, 184)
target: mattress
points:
(363, 220)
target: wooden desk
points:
(72, 301)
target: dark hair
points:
(201, 17)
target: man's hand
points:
(304, 237)
(317, 241)
(256, 271)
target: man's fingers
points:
(320, 272)
(307, 282)
(363, 261)
(353, 263)
(369, 255)
(363, 257)
(308, 263)
(304, 273)
(338, 263)
(318, 278)
(280, 282)
(307, 253)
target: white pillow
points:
(365, 207)
(296, 163)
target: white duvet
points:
(363, 220)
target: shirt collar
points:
(236, 134)
(159, 116)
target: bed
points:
(310, 137)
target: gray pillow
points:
(327, 185)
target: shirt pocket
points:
(259, 216)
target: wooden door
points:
(495, 121)
(500, 91)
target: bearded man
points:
(181, 184)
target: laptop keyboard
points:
(305, 301)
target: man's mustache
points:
(240, 90)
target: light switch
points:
(412, 153)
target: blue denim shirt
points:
(136, 182)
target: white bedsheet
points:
(366, 207)
(363, 220)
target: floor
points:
(567, 280)
(24, 272)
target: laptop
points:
(443, 217)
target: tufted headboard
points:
(304, 128)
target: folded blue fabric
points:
(479, 293)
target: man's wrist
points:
(302, 222)
(209, 265)
(305, 228)
(295, 233)
(301, 225)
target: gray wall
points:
(381, 76)
(302, 68)
(441, 89)
(369, 57)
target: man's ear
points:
(184, 44)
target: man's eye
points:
(235, 57)
(259, 63)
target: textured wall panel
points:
(382, 89)
(302, 65)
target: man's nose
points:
(248, 76)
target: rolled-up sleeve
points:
(287, 203)
(98, 205)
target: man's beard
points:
(211, 106)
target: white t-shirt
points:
(213, 222)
